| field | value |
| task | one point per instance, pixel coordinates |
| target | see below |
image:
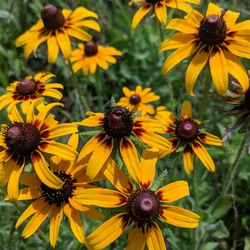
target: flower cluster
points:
(43, 164)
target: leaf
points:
(140, 146)
(218, 230)
(209, 246)
(247, 244)
(112, 101)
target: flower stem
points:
(204, 99)
(83, 101)
(99, 90)
(170, 87)
(233, 168)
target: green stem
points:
(233, 168)
(204, 100)
(98, 83)
(170, 87)
(83, 101)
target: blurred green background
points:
(225, 220)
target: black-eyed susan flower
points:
(138, 100)
(160, 8)
(141, 208)
(56, 27)
(187, 133)
(215, 39)
(90, 55)
(117, 129)
(24, 140)
(55, 203)
(29, 90)
(162, 114)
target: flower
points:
(24, 140)
(30, 89)
(141, 208)
(55, 203)
(160, 8)
(56, 27)
(188, 133)
(138, 99)
(90, 55)
(215, 38)
(162, 114)
(119, 131)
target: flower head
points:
(55, 203)
(160, 8)
(26, 140)
(140, 207)
(29, 90)
(215, 38)
(118, 131)
(186, 132)
(90, 55)
(138, 99)
(56, 27)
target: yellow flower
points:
(162, 114)
(215, 38)
(160, 8)
(141, 208)
(118, 130)
(56, 27)
(138, 99)
(30, 89)
(187, 132)
(55, 203)
(22, 141)
(90, 55)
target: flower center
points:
(118, 122)
(247, 99)
(143, 206)
(22, 138)
(134, 99)
(62, 195)
(52, 17)
(187, 130)
(90, 48)
(153, 1)
(26, 87)
(213, 30)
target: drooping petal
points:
(143, 11)
(203, 155)
(188, 158)
(53, 49)
(155, 240)
(173, 191)
(179, 217)
(108, 232)
(29, 193)
(136, 239)
(55, 221)
(64, 43)
(161, 12)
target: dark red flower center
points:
(52, 17)
(26, 87)
(153, 1)
(90, 48)
(143, 206)
(118, 121)
(135, 99)
(213, 30)
(62, 195)
(187, 130)
(247, 99)
(22, 138)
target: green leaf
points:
(209, 246)
(89, 133)
(140, 146)
(112, 102)
(247, 244)
(218, 230)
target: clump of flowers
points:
(216, 39)
(56, 27)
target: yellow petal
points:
(43, 172)
(213, 9)
(219, 71)
(64, 43)
(188, 158)
(29, 193)
(55, 221)
(173, 191)
(210, 139)
(180, 217)
(203, 155)
(136, 239)
(53, 49)
(155, 240)
(61, 129)
(108, 232)
(161, 12)
(143, 11)
(186, 110)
